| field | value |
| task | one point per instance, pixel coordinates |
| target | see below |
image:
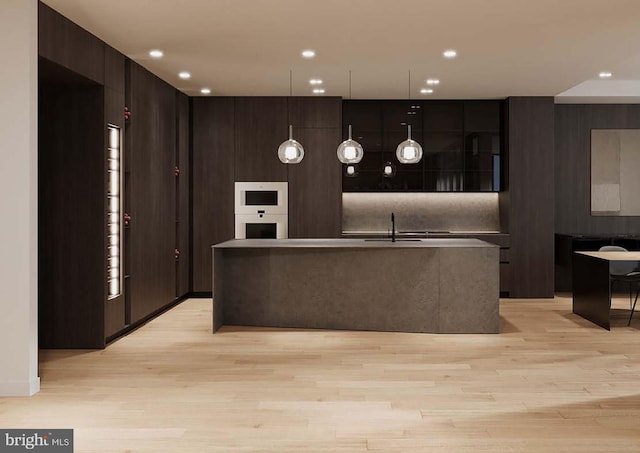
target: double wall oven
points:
(262, 210)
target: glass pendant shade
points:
(351, 170)
(350, 151)
(388, 170)
(409, 151)
(290, 151)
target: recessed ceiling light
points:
(184, 75)
(449, 53)
(205, 91)
(605, 74)
(308, 53)
(433, 81)
(315, 82)
(318, 90)
(155, 53)
(426, 91)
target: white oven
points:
(261, 210)
(268, 197)
(262, 226)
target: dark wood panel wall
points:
(236, 139)
(530, 195)
(114, 100)
(151, 141)
(315, 184)
(573, 124)
(71, 207)
(213, 159)
(260, 126)
(183, 216)
(84, 86)
(69, 45)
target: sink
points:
(389, 240)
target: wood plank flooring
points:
(550, 382)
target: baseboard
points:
(20, 388)
(200, 295)
(136, 325)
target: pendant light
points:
(350, 151)
(290, 151)
(388, 169)
(351, 170)
(409, 151)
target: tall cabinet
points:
(527, 205)
(114, 224)
(151, 157)
(315, 184)
(236, 139)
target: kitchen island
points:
(418, 285)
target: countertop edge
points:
(354, 243)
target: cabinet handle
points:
(176, 254)
(127, 219)
(176, 171)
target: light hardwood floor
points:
(550, 382)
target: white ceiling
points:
(248, 47)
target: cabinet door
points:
(482, 146)
(183, 284)
(213, 177)
(315, 112)
(397, 115)
(362, 115)
(315, 191)
(152, 228)
(482, 116)
(260, 127)
(315, 184)
(460, 140)
(443, 116)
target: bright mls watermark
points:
(36, 440)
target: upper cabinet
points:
(461, 141)
(260, 126)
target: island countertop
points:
(355, 243)
(443, 285)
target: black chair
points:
(624, 271)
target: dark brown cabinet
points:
(114, 203)
(397, 116)
(460, 140)
(527, 206)
(81, 96)
(261, 124)
(482, 146)
(182, 204)
(315, 193)
(236, 139)
(213, 121)
(150, 143)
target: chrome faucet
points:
(393, 228)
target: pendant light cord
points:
(290, 82)
(409, 87)
(349, 84)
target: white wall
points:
(19, 198)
